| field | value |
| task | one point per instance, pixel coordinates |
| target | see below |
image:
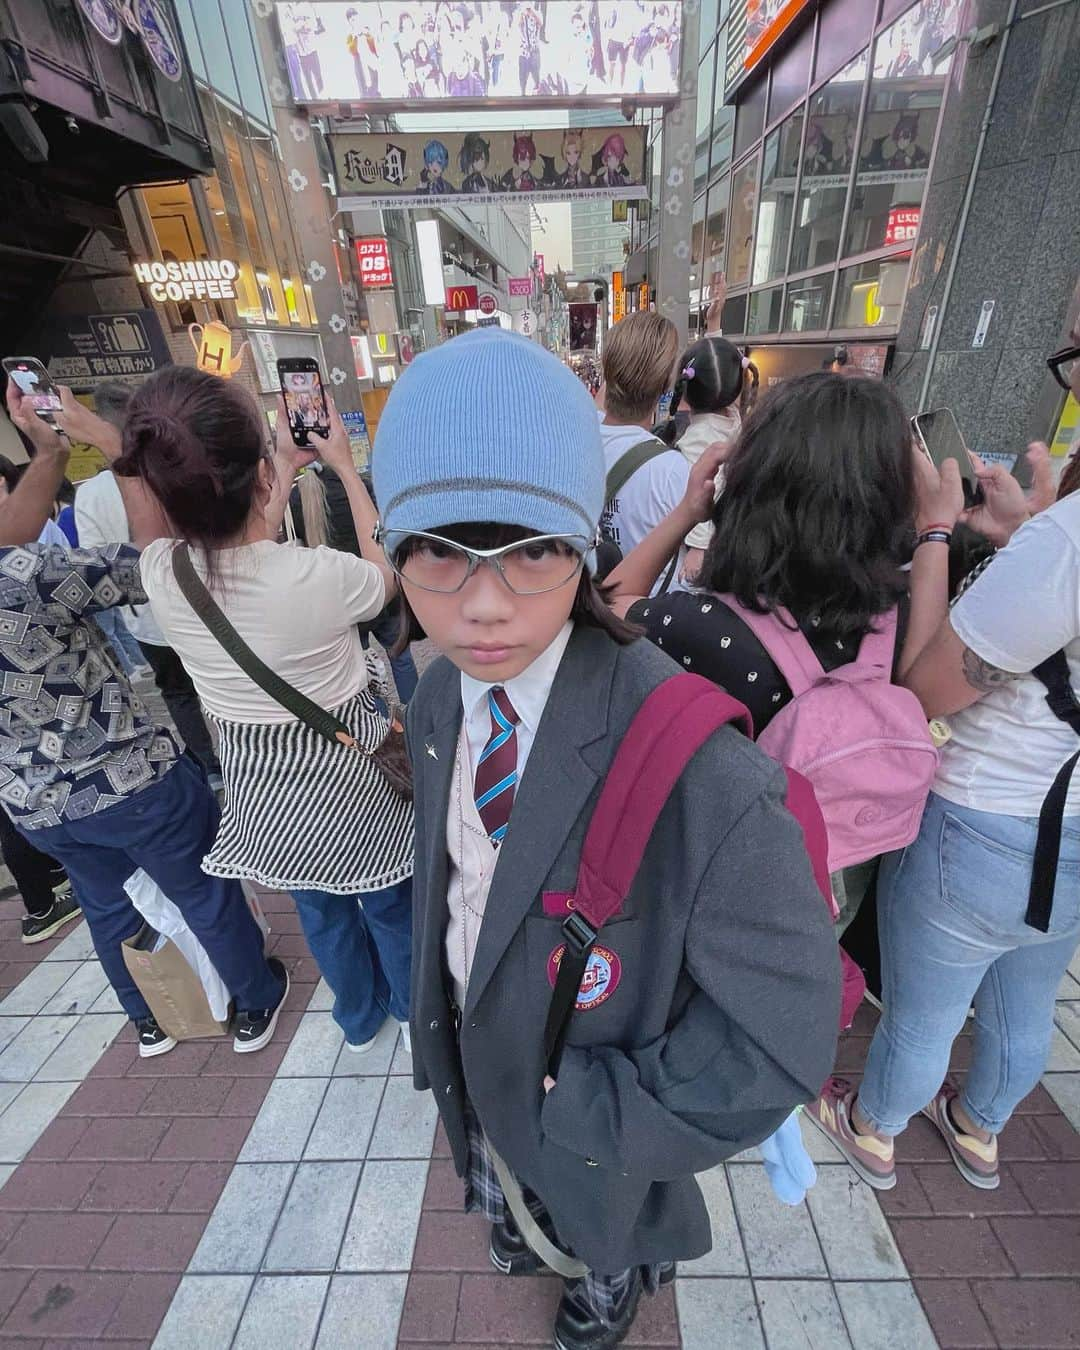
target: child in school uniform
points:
(719, 1005)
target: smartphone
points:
(305, 398)
(36, 385)
(938, 436)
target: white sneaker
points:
(406, 1037)
(361, 1049)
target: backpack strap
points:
(628, 464)
(1063, 703)
(786, 645)
(672, 724)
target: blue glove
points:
(787, 1163)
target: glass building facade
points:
(809, 178)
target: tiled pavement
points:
(301, 1197)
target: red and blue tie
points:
(496, 774)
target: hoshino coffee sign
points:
(207, 279)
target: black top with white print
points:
(706, 637)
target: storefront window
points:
(806, 308)
(733, 315)
(826, 170)
(707, 23)
(723, 137)
(704, 119)
(750, 118)
(789, 76)
(872, 294)
(898, 132)
(764, 316)
(230, 236)
(777, 199)
(741, 224)
(843, 30)
(716, 232)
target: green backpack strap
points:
(628, 464)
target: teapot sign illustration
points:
(213, 349)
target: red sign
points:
(488, 304)
(374, 258)
(520, 285)
(903, 225)
(538, 263)
(459, 298)
(405, 348)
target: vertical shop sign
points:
(373, 255)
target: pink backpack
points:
(862, 741)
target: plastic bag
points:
(787, 1163)
(160, 913)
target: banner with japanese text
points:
(388, 170)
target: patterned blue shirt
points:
(74, 736)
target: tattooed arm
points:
(981, 675)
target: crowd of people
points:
(616, 972)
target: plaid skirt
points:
(601, 1294)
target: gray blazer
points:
(724, 1014)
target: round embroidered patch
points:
(601, 978)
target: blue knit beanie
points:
(489, 427)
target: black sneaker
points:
(254, 1029)
(153, 1040)
(38, 927)
(578, 1327)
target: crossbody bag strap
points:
(209, 611)
(1053, 673)
(628, 464)
(669, 728)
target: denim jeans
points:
(128, 652)
(951, 915)
(166, 829)
(362, 944)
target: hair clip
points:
(688, 372)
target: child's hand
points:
(701, 490)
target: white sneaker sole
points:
(53, 928)
(364, 1048)
(249, 1047)
(161, 1048)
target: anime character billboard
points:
(403, 169)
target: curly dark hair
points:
(818, 505)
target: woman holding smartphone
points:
(301, 814)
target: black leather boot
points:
(510, 1253)
(577, 1327)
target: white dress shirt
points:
(527, 692)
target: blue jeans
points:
(129, 653)
(166, 829)
(951, 917)
(362, 944)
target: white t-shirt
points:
(648, 496)
(296, 608)
(1007, 748)
(706, 429)
(100, 518)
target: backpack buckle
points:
(579, 933)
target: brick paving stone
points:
(943, 1247)
(186, 1097)
(202, 1138)
(189, 1057)
(12, 1283)
(142, 1307)
(244, 1097)
(121, 1139)
(1037, 1103)
(1039, 1245)
(444, 1189)
(441, 1147)
(201, 1188)
(1019, 1141)
(118, 1059)
(1031, 1314)
(656, 1322)
(948, 1192)
(133, 1187)
(58, 1139)
(955, 1315)
(223, 1059)
(495, 1309)
(430, 1308)
(8, 1224)
(48, 1185)
(75, 1303)
(100, 1096)
(57, 1241)
(454, 1242)
(150, 1242)
(907, 1198)
(1057, 1136)
(920, 1142)
(1050, 1188)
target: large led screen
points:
(405, 52)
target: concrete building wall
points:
(1021, 244)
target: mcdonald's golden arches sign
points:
(459, 298)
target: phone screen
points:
(305, 402)
(34, 382)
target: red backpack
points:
(673, 723)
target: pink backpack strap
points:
(672, 724)
(788, 647)
(877, 649)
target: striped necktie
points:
(496, 774)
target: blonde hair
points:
(639, 361)
(314, 509)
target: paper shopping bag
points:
(172, 989)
